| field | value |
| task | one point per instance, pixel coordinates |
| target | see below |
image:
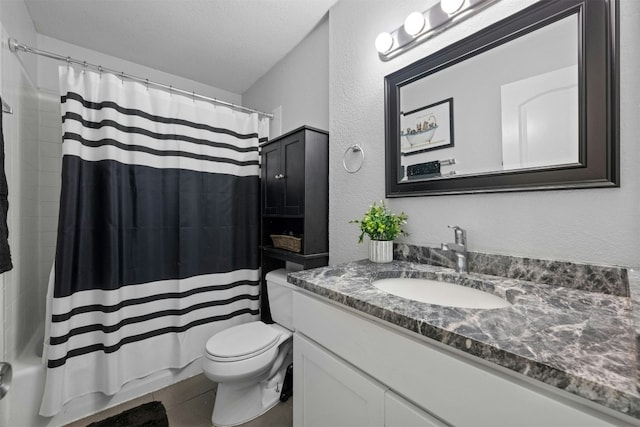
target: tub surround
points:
(580, 341)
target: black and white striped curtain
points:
(158, 233)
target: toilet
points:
(249, 361)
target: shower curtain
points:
(157, 244)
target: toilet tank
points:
(280, 294)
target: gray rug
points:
(150, 414)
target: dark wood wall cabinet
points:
(295, 198)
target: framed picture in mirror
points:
(427, 128)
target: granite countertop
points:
(579, 341)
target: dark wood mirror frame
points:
(598, 69)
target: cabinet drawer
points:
(458, 390)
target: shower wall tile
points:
(49, 179)
(21, 285)
(21, 305)
(49, 196)
(49, 223)
(51, 149)
(50, 118)
(51, 134)
(50, 208)
(26, 255)
(48, 238)
(50, 155)
(10, 332)
(50, 165)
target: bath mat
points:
(150, 414)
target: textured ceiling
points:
(227, 44)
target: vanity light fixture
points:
(419, 27)
(451, 6)
(384, 42)
(414, 23)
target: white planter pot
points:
(381, 251)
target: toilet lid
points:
(242, 341)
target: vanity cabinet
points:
(425, 383)
(338, 394)
(335, 394)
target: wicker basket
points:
(290, 243)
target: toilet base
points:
(240, 403)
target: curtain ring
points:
(122, 77)
(100, 70)
(68, 62)
(147, 83)
(356, 148)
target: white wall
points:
(299, 83)
(598, 225)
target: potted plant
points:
(382, 226)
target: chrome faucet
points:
(459, 247)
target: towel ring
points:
(356, 148)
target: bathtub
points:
(27, 385)
(22, 403)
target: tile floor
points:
(189, 404)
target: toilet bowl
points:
(249, 361)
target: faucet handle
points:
(460, 233)
(457, 229)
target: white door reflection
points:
(540, 120)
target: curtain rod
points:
(14, 47)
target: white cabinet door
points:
(400, 413)
(329, 392)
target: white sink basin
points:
(440, 293)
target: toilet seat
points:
(242, 342)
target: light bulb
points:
(451, 6)
(414, 23)
(384, 42)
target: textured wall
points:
(597, 226)
(299, 83)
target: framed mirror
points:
(529, 103)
